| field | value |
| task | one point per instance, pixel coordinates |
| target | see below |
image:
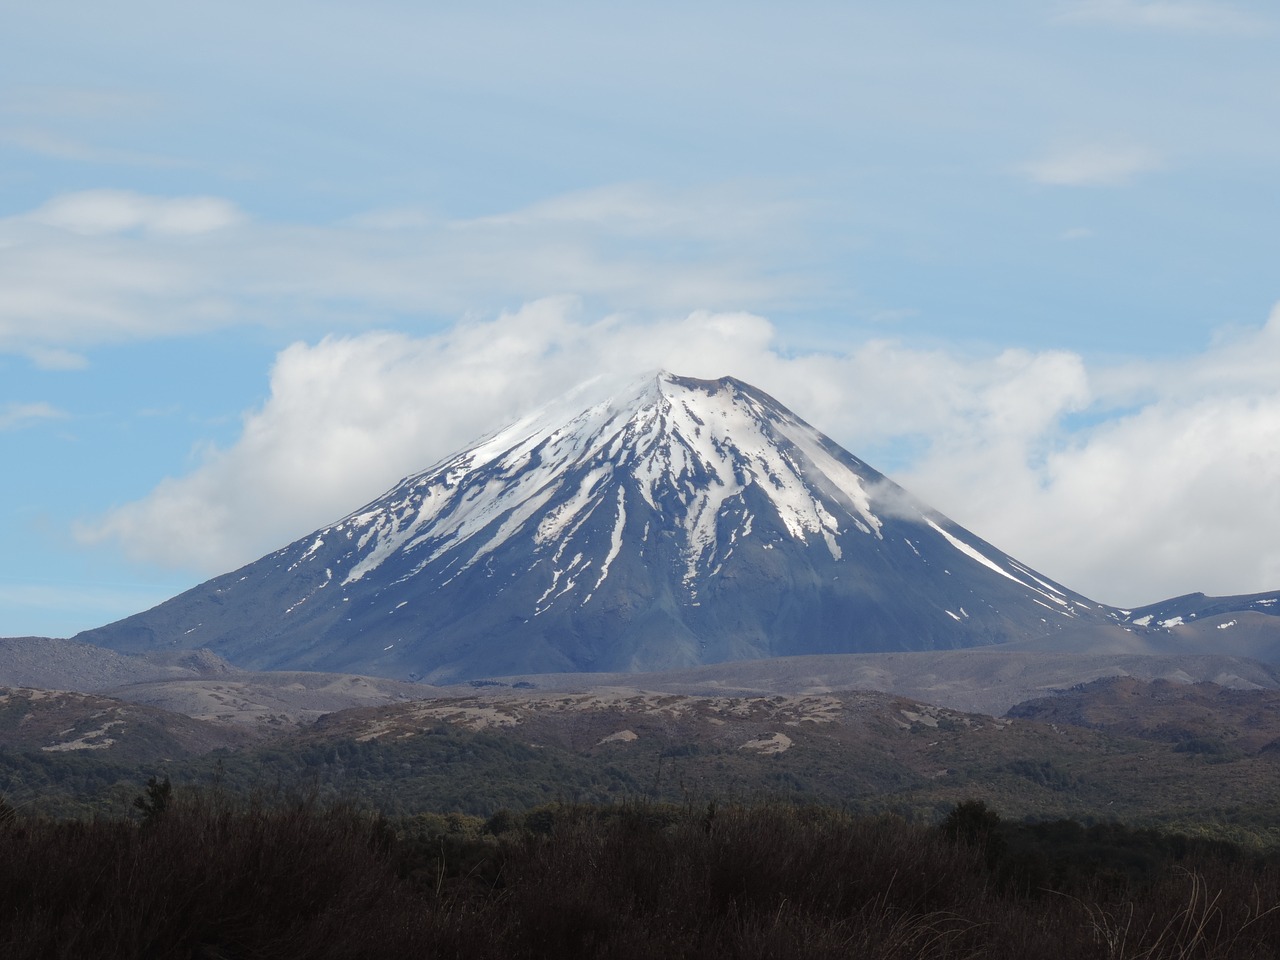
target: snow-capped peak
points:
(690, 447)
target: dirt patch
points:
(778, 743)
(622, 736)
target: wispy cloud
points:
(1076, 233)
(47, 143)
(1091, 165)
(16, 415)
(78, 103)
(110, 266)
(717, 212)
(1189, 16)
(95, 212)
(53, 358)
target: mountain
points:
(1179, 611)
(677, 523)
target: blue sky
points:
(259, 261)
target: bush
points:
(154, 801)
(974, 824)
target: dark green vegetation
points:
(863, 753)
(1087, 759)
(208, 876)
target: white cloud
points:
(93, 103)
(15, 415)
(47, 143)
(1178, 15)
(52, 358)
(716, 213)
(1174, 499)
(1091, 165)
(94, 212)
(109, 266)
(1179, 492)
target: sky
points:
(260, 261)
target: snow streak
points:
(692, 448)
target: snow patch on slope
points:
(981, 558)
(693, 449)
(615, 542)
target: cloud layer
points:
(108, 266)
(15, 415)
(1091, 165)
(1188, 16)
(100, 212)
(1173, 488)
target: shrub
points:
(154, 801)
(290, 878)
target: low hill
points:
(60, 722)
(501, 747)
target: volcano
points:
(679, 522)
